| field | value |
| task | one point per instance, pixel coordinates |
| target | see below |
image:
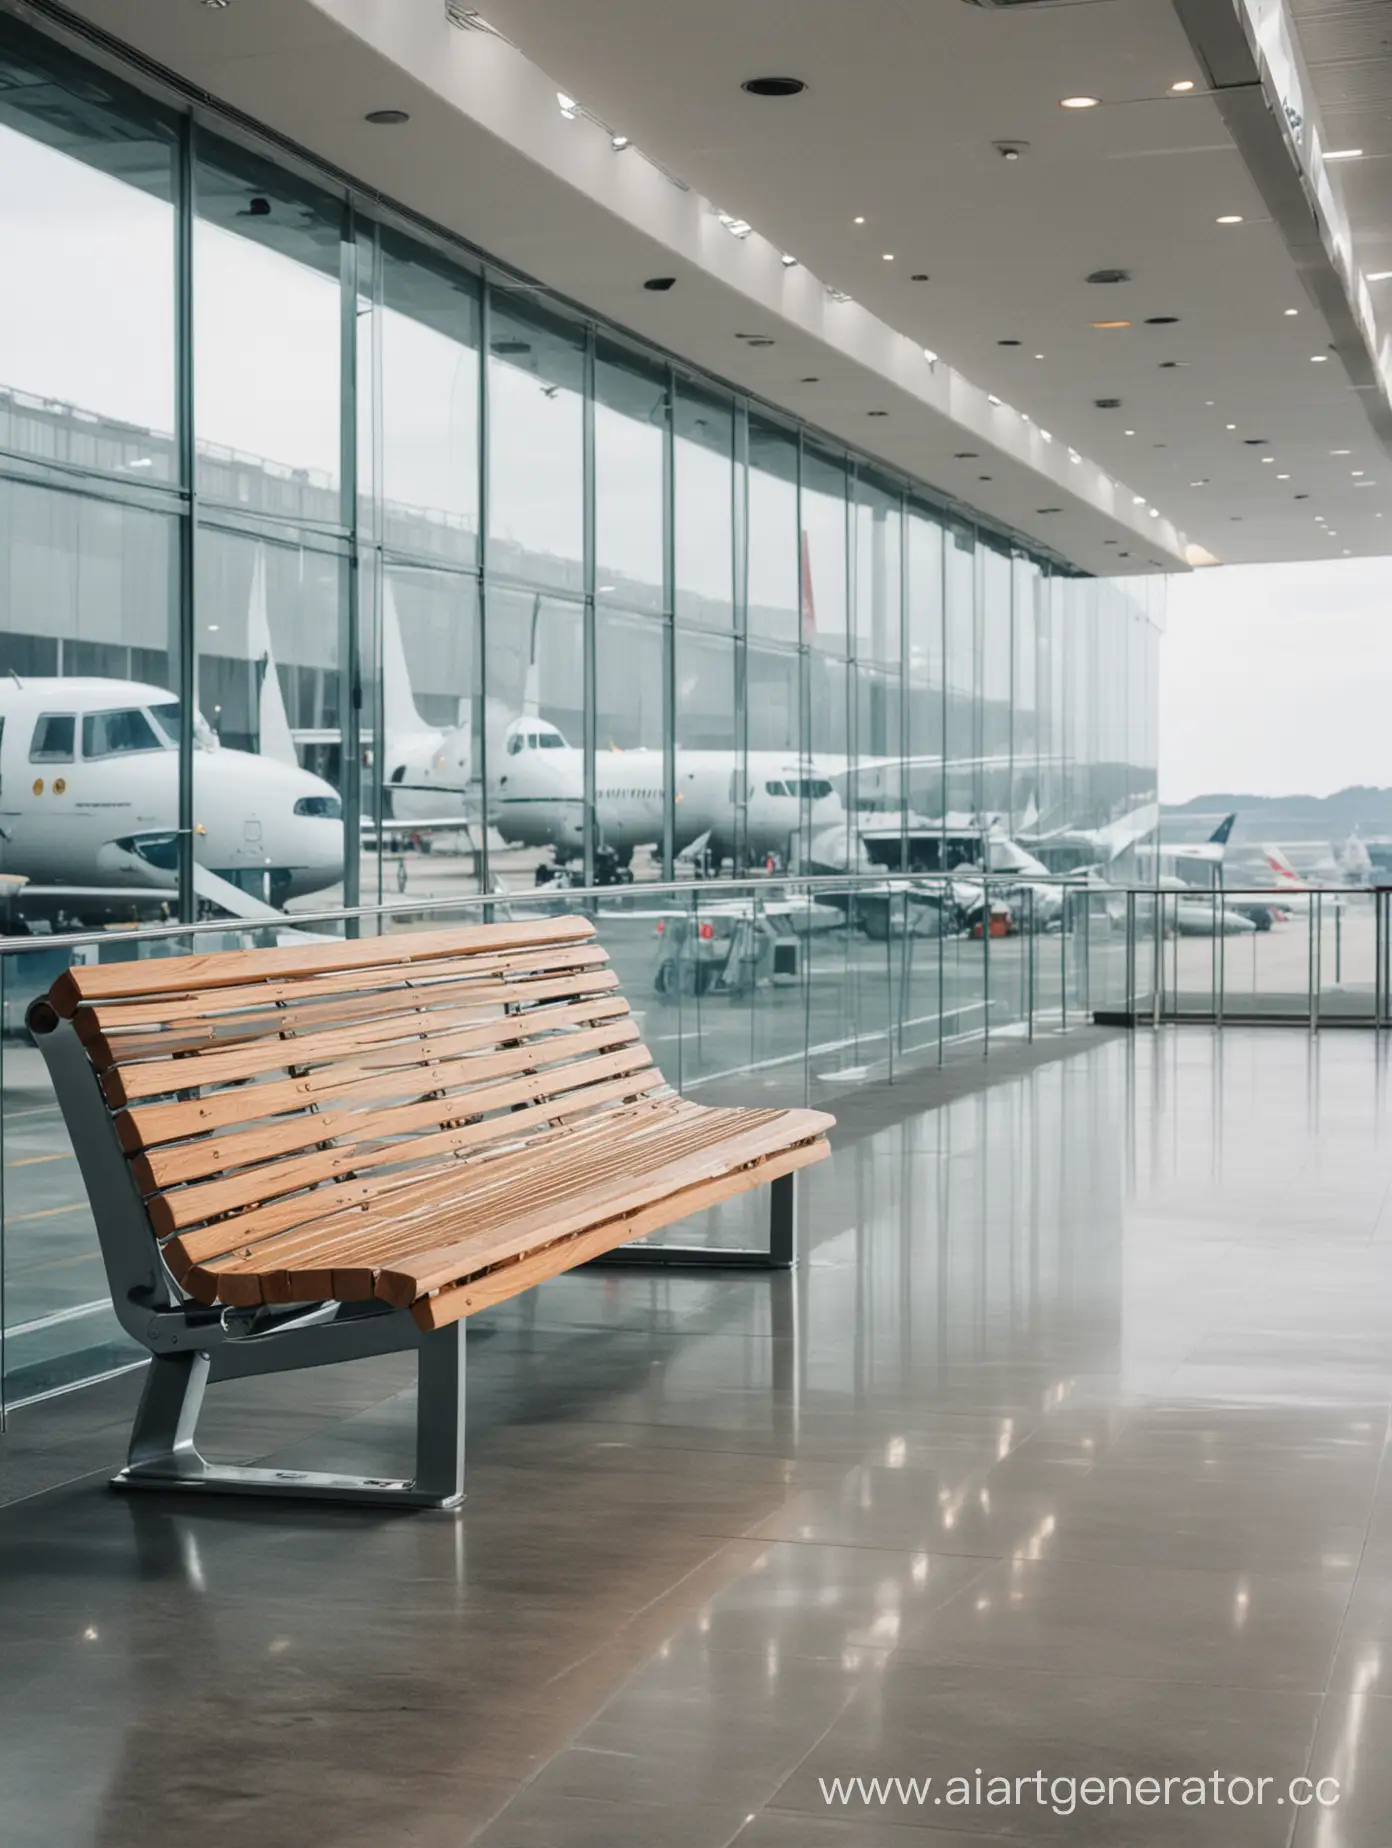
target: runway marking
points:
(32, 1161)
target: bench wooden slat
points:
(158, 1164)
(354, 1137)
(344, 1202)
(488, 1288)
(402, 1282)
(183, 975)
(397, 1036)
(399, 1205)
(143, 1126)
(111, 1042)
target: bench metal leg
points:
(781, 1253)
(164, 1454)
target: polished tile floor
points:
(1063, 1454)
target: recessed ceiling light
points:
(1107, 324)
(991, 398)
(1344, 154)
(737, 227)
(1039, 356)
(1128, 432)
(1356, 472)
(889, 256)
(1291, 312)
(1230, 218)
(386, 118)
(859, 219)
(1283, 477)
(930, 356)
(1365, 484)
(618, 143)
(1229, 426)
(1154, 512)
(774, 86)
(1138, 500)
(1079, 102)
(1341, 452)
(789, 262)
(1202, 482)
(1318, 359)
(1183, 87)
(567, 105)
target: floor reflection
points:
(1063, 1449)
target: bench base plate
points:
(313, 1485)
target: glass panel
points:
(630, 781)
(267, 831)
(787, 792)
(824, 550)
(536, 382)
(877, 572)
(960, 725)
(995, 641)
(709, 824)
(86, 184)
(630, 426)
(267, 327)
(924, 681)
(705, 535)
(774, 563)
(88, 590)
(425, 401)
(534, 681)
(1024, 715)
(423, 732)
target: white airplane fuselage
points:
(89, 796)
(537, 796)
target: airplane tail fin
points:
(1223, 832)
(276, 740)
(400, 717)
(1286, 874)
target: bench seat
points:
(418, 1126)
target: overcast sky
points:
(1277, 679)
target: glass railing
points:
(780, 991)
(1313, 957)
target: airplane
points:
(89, 801)
(537, 797)
(1210, 852)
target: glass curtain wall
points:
(335, 566)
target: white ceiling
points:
(905, 101)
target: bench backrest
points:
(287, 1084)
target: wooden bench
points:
(315, 1153)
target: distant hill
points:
(1334, 817)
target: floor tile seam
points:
(771, 1801)
(898, 1549)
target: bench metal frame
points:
(191, 1346)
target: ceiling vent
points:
(1110, 275)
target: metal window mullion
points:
(739, 528)
(669, 637)
(590, 695)
(480, 666)
(184, 216)
(350, 693)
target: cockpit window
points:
(776, 789)
(118, 734)
(167, 716)
(515, 743)
(54, 738)
(551, 741)
(326, 808)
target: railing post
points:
(1379, 956)
(1029, 966)
(1131, 955)
(1316, 919)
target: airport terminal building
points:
(350, 493)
